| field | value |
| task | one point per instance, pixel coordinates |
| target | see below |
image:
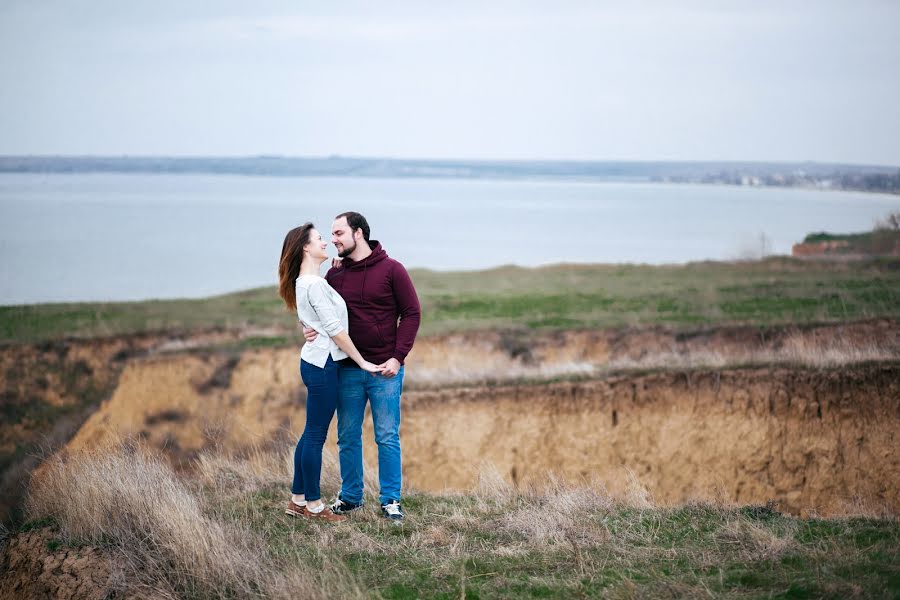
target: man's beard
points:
(347, 251)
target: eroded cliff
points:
(814, 439)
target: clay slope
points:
(48, 390)
(817, 440)
(37, 565)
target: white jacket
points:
(323, 309)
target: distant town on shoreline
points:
(866, 178)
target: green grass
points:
(771, 292)
(876, 242)
(774, 291)
(824, 236)
(28, 323)
(451, 543)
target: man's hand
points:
(390, 367)
(310, 334)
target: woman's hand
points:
(371, 367)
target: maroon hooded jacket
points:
(378, 293)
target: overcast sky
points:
(685, 80)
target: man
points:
(384, 318)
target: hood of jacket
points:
(378, 255)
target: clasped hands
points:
(388, 368)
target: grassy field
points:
(223, 533)
(773, 291)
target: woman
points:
(320, 307)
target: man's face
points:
(342, 237)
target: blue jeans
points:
(356, 388)
(321, 400)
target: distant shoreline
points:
(824, 176)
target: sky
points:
(651, 80)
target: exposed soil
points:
(815, 440)
(49, 389)
(35, 565)
(685, 437)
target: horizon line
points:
(274, 156)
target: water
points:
(131, 237)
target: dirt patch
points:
(220, 377)
(165, 416)
(36, 565)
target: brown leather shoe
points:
(325, 515)
(295, 510)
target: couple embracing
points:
(360, 322)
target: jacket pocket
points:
(381, 339)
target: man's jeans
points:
(357, 387)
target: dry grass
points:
(266, 467)
(221, 532)
(798, 349)
(496, 367)
(806, 351)
(131, 500)
(467, 361)
(556, 516)
(754, 542)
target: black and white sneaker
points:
(393, 511)
(342, 507)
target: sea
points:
(123, 237)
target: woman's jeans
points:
(321, 401)
(383, 394)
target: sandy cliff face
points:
(180, 395)
(187, 403)
(46, 393)
(819, 441)
(813, 439)
(47, 390)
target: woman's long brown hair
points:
(289, 267)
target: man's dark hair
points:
(356, 221)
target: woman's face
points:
(316, 247)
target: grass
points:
(824, 236)
(881, 240)
(769, 292)
(221, 531)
